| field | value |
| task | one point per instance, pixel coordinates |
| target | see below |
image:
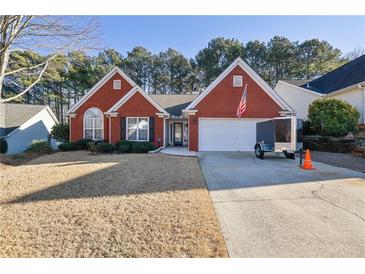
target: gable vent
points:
(117, 84)
(237, 80)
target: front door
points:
(178, 134)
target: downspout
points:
(164, 132)
(110, 129)
(363, 104)
(70, 127)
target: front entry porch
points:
(177, 132)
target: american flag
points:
(242, 106)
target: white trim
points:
(52, 114)
(129, 94)
(96, 87)
(110, 129)
(162, 115)
(111, 114)
(235, 118)
(188, 125)
(344, 89)
(102, 126)
(322, 94)
(164, 132)
(70, 128)
(239, 62)
(185, 126)
(300, 88)
(170, 132)
(127, 128)
(363, 105)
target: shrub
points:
(307, 128)
(40, 147)
(60, 132)
(332, 117)
(92, 147)
(142, 147)
(124, 146)
(67, 146)
(83, 144)
(3, 146)
(105, 147)
(124, 149)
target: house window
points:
(237, 80)
(117, 84)
(93, 124)
(137, 128)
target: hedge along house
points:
(116, 109)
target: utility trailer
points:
(281, 134)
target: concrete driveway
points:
(272, 208)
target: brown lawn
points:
(73, 204)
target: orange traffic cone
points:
(307, 161)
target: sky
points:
(189, 34)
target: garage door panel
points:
(227, 134)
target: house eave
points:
(357, 85)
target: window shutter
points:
(152, 129)
(122, 128)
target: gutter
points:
(358, 85)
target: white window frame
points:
(93, 126)
(148, 128)
(117, 82)
(240, 77)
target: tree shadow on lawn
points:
(139, 174)
(125, 177)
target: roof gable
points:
(98, 85)
(174, 103)
(345, 76)
(245, 67)
(12, 116)
(129, 95)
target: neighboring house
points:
(346, 83)
(118, 109)
(21, 124)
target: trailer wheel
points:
(289, 155)
(259, 152)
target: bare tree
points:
(51, 35)
(355, 53)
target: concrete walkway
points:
(272, 208)
(178, 151)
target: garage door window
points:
(137, 128)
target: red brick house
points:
(116, 109)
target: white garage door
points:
(227, 134)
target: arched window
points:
(93, 124)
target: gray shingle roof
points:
(297, 83)
(14, 115)
(174, 103)
(347, 75)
